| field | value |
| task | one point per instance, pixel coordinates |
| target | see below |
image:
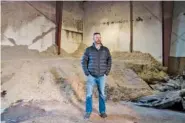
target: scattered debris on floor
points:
(170, 84)
(170, 93)
(150, 73)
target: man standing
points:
(96, 64)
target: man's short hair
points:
(96, 33)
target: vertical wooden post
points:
(59, 7)
(167, 17)
(131, 26)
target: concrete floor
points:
(150, 115)
(117, 112)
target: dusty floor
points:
(42, 87)
(57, 112)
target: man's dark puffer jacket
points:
(96, 62)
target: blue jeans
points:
(100, 82)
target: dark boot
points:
(87, 115)
(103, 115)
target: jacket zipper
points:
(99, 62)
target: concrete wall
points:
(23, 24)
(147, 32)
(112, 20)
(33, 24)
(178, 30)
(72, 26)
(177, 49)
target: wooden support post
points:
(59, 7)
(131, 26)
(167, 18)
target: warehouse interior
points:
(42, 43)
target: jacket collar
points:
(95, 46)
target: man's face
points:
(97, 38)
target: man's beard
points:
(98, 42)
